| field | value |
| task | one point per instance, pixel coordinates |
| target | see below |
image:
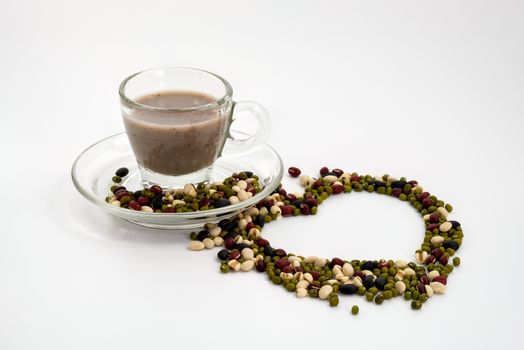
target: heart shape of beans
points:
(318, 277)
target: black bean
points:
(369, 265)
(268, 251)
(157, 201)
(232, 235)
(297, 203)
(348, 289)
(378, 183)
(329, 173)
(241, 246)
(122, 172)
(454, 224)
(201, 235)
(259, 220)
(368, 281)
(451, 244)
(380, 282)
(219, 203)
(223, 254)
(230, 226)
(398, 184)
(223, 222)
(248, 173)
(138, 194)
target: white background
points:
(428, 90)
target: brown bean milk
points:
(176, 142)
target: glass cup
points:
(178, 120)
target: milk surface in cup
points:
(176, 142)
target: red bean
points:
(337, 172)
(304, 209)
(324, 170)
(287, 210)
(118, 189)
(291, 197)
(249, 226)
(280, 253)
(424, 279)
(121, 194)
(260, 265)
(437, 253)
(443, 260)
(311, 201)
(430, 259)
(427, 202)
(234, 254)
(441, 279)
(423, 195)
(316, 184)
(229, 243)
(383, 264)
(431, 227)
(337, 261)
(287, 269)
(282, 192)
(360, 274)
(396, 192)
(204, 201)
(134, 205)
(156, 189)
(294, 171)
(261, 242)
(315, 275)
(354, 178)
(170, 210)
(281, 263)
(143, 200)
(434, 218)
(337, 189)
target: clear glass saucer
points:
(93, 169)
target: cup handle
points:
(254, 110)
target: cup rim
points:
(216, 103)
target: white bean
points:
(208, 243)
(242, 184)
(301, 292)
(438, 287)
(400, 286)
(196, 245)
(347, 269)
(401, 264)
(325, 291)
(445, 226)
(215, 231)
(247, 253)
(247, 265)
(320, 262)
